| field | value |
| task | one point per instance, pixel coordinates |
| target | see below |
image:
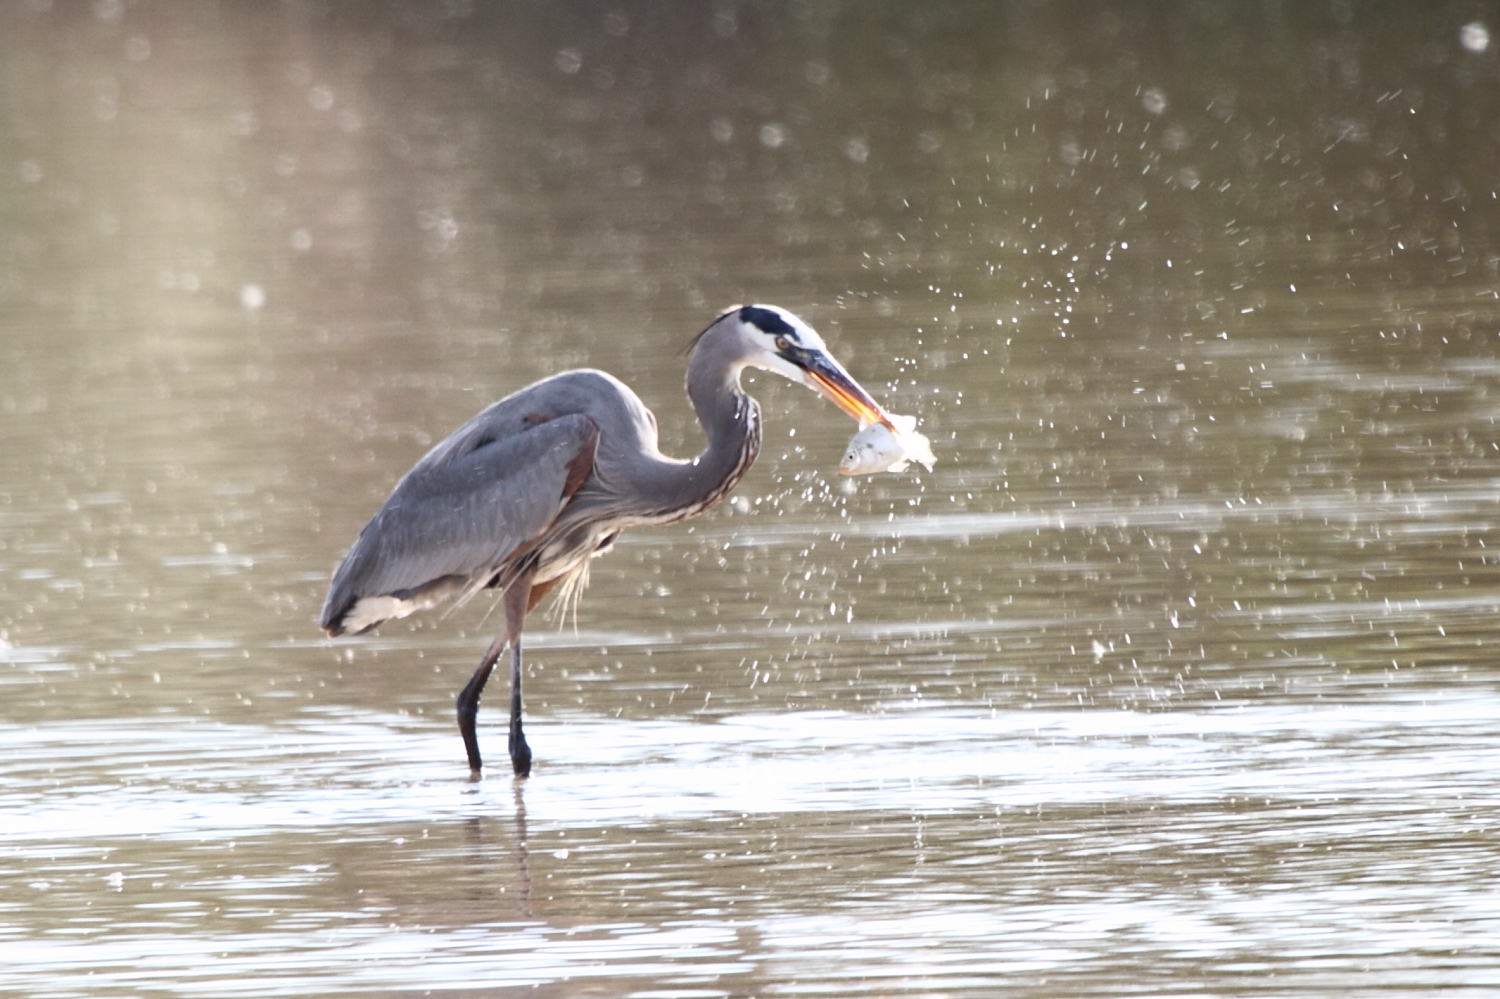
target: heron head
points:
(775, 340)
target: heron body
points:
(522, 496)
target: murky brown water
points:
(1172, 678)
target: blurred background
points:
(1197, 301)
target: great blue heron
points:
(523, 495)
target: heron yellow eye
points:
(782, 343)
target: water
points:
(1173, 677)
(1034, 847)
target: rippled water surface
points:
(1172, 678)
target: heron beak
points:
(829, 379)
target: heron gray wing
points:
(472, 503)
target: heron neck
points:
(730, 420)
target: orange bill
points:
(834, 383)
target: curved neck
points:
(731, 421)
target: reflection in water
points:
(1035, 843)
(1175, 670)
(523, 871)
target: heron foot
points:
(520, 753)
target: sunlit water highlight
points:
(974, 809)
(351, 769)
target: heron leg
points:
(468, 699)
(520, 597)
(518, 600)
(520, 753)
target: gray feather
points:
(471, 503)
(490, 500)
